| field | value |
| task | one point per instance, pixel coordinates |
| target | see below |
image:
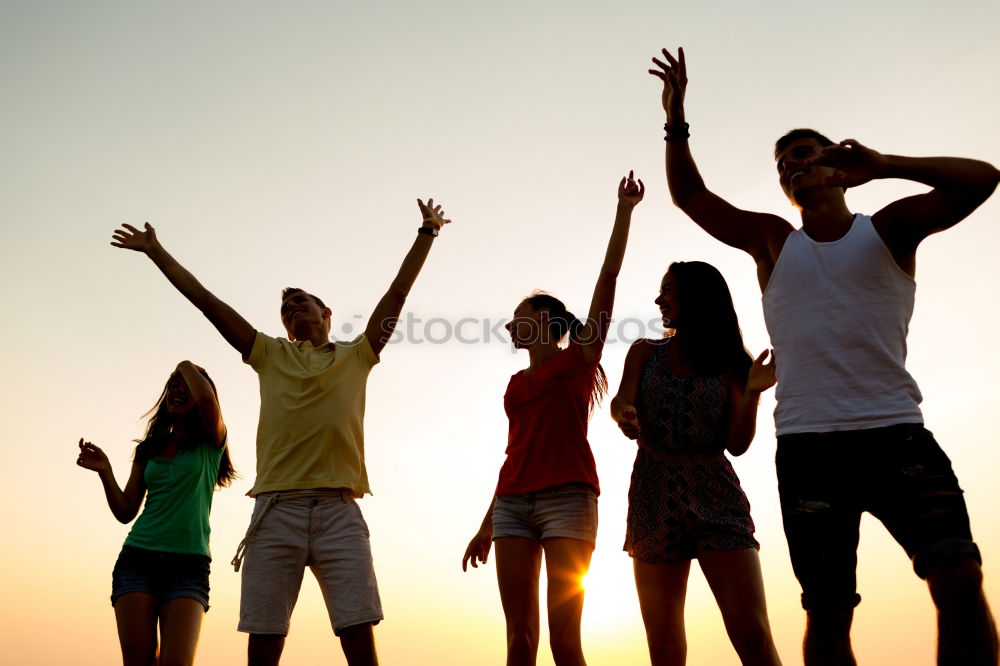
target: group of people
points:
(838, 293)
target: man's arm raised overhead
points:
(755, 233)
(383, 320)
(229, 323)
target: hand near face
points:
(854, 163)
(630, 190)
(433, 214)
(93, 458)
(673, 73)
(130, 238)
(762, 374)
(629, 422)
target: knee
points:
(956, 585)
(667, 647)
(753, 639)
(522, 637)
(566, 649)
(829, 625)
(264, 649)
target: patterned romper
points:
(685, 498)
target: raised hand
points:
(478, 550)
(854, 163)
(130, 238)
(630, 190)
(673, 73)
(93, 458)
(433, 215)
(629, 422)
(762, 374)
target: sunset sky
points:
(276, 144)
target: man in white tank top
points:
(838, 296)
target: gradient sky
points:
(277, 144)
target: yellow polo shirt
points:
(312, 407)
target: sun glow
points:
(611, 603)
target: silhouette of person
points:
(687, 399)
(310, 451)
(546, 497)
(838, 294)
(161, 576)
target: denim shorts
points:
(165, 576)
(568, 511)
(899, 474)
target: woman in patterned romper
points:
(687, 399)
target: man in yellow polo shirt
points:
(310, 451)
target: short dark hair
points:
(800, 133)
(290, 291)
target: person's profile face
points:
(525, 326)
(668, 302)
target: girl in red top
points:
(546, 499)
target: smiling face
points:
(302, 315)
(668, 302)
(178, 398)
(794, 175)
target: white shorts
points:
(321, 529)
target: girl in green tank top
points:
(161, 576)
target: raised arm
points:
(204, 397)
(383, 320)
(751, 232)
(229, 323)
(959, 187)
(623, 405)
(595, 329)
(124, 504)
(743, 402)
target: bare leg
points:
(519, 562)
(136, 616)
(736, 582)
(828, 638)
(264, 649)
(662, 590)
(967, 634)
(358, 642)
(566, 562)
(180, 624)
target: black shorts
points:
(899, 474)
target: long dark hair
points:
(561, 322)
(711, 330)
(161, 424)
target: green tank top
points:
(178, 501)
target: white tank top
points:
(838, 314)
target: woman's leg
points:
(566, 563)
(136, 616)
(180, 624)
(519, 562)
(736, 582)
(662, 588)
